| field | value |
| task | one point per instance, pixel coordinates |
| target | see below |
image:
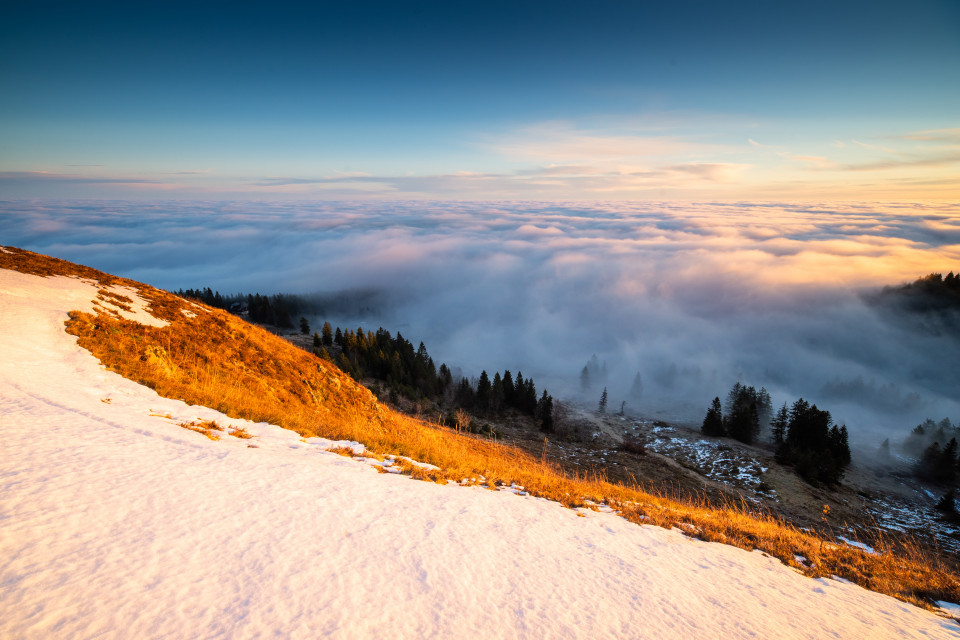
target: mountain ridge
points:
(201, 346)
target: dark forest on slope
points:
(392, 361)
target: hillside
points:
(930, 304)
(120, 522)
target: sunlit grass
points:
(217, 360)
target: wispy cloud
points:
(933, 162)
(935, 135)
(818, 162)
(662, 156)
(563, 142)
(874, 147)
(754, 143)
(49, 177)
(578, 178)
(933, 149)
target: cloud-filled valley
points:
(692, 296)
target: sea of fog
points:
(692, 297)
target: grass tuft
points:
(206, 428)
(241, 432)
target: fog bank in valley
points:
(693, 297)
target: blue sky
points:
(494, 100)
(278, 147)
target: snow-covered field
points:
(712, 459)
(115, 522)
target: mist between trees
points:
(877, 361)
(391, 365)
(805, 437)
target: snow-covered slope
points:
(116, 522)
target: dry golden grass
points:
(205, 427)
(220, 361)
(347, 452)
(240, 432)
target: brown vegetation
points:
(206, 427)
(220, 361)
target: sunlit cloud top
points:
(514, 100)
(692, 296)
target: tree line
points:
(931, 293)
(805, 437)
(277, 310)
(934, 445)
(413, 374)
(394, 362)
(741, 418)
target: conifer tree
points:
(780, 423)
(603, 402)
(929, 461)
(743, 423)
(344, 363)
(843, 449)
(508, 389)
(304, 326)
(585, 379)
(884, 454)
(545, 412)
(746, 411)
(713, 421)
(816, 448)
(732, 397)
(483, 392)
(946, 466)
(529, 398)
(496, 393)
(281, 315)
(464, 395)
(444, 377)
(636, 389)
(326, 334)
(764, 406)
(519, 390)
(947, 503)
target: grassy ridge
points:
(209, 357)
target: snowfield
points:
(115, 522)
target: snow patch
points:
(116, 522)
(858, 545)
(713, 459)
(137, 311)
(951, 609)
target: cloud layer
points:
(691, 296)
